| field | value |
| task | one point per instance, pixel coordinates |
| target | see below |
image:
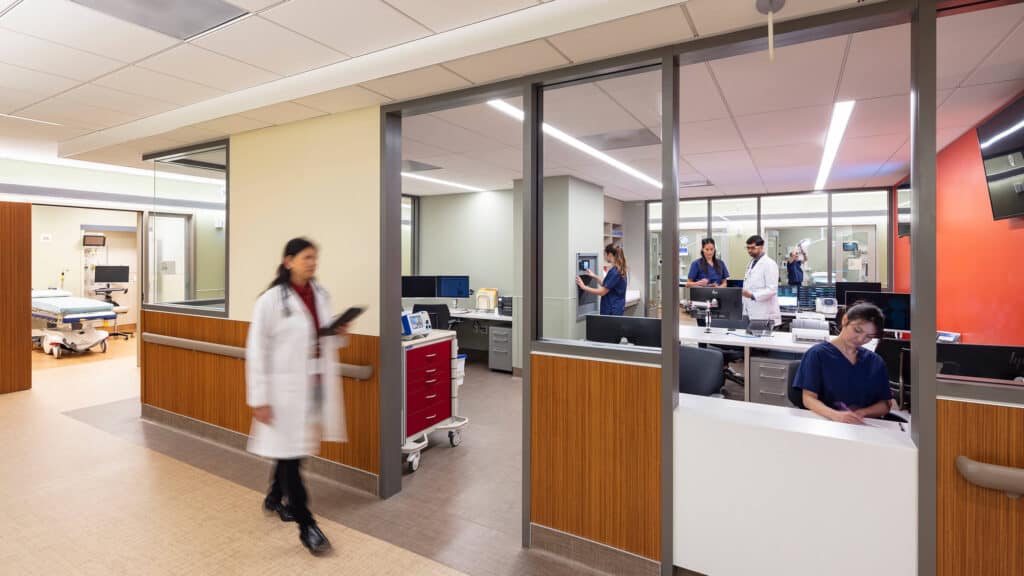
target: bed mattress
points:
(70, 305)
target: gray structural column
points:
(669, 291)
(922, 272)
(390, 379)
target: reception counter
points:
(768, 490)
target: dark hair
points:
(756, 240)
(867, 312)
(704, 261)
(615, 251)
(292, 248)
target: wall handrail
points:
(354, 371)
(992, 476)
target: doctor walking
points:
(293, 385)
(761, 284)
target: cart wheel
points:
(56, 352)
(454, 437)
(414, 462)
(103, 347)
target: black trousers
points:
(286, 486)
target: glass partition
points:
(408, 234)
(860, 236)
(733, 220)
(796, 229)
(187, 231)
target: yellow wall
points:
(318, 178)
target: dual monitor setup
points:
(435, 287)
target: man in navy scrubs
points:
(843, 381)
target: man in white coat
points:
(761, 284)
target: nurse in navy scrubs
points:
(709, 270)
(843, 381)
(612, 289)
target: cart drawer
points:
(435, 375)
(423, 398)
(427, 356)
(427, 417)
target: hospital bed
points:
(69, 322)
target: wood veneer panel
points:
(204, 329)
(15, 297)
(980, 531)
(362, 409)
(596, 451)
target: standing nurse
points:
(709, 270)
(613, 288)
(761, 284)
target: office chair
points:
(730, 354)
(440, 317)
(701, 371)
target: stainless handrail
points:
(354, 371)
(993, 476)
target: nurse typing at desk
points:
(843, 381)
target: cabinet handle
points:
(432, 370)
(431, 396)
(434, 355)
(1003, 478)
(431, 417)
(431, 381)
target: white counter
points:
(767, 490)
(475, 315)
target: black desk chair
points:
(701, 371)
(730, 354)
(440, 317)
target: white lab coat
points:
(279, 369)
(762, 280)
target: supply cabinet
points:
(431, 374)
(499, 351)
(770, 378)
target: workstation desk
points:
(499, 336)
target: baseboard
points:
(329, 469)
(592, 554)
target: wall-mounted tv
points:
(1002, 150)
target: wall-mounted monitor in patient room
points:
(94, 240)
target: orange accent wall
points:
(980, 268)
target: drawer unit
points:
(499, 351)
(770, 379)
(426, 357)
(426, 394)
(428, 416)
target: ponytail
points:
(618, 257)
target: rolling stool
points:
(119, 310)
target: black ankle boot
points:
(271, 506)
(313, 539)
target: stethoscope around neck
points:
(286, 292)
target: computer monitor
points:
(843, 287)
(789, 296)
(730, 301)
(111, 275)
(807, 295)
(890, 350)
(453, 286)
(419, 286)
(734, 283)
(980, 361)
(896, 307)
(635, 330)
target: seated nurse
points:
(843, 381)
(709, 270)
(612, 288)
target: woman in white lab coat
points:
(761, 284)
(292, 384)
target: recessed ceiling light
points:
(30, 120)
(181, 19)
(575, 143)
(443, 182)
(837, 127)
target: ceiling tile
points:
(22, 131)
(415, 150)
(714, 16)
(638, 94)
(969, 105)
(111, 99)
(965, 39)
(859, 159)
(28, 52)
(647, 30)
(699, 98)
(76, 115)
(377, 26)
(282, 113)
(211, 69)
(797, 126)
(85, 29)
(12, 99)
(710, 136)
(946, 136)
(441, 16)
(790, 167)
(32, 81)
(878, 64)
(1006, 63)
(421, 82)
(487, 121)
(269, 46)
(119, 155)
(342, 99)
(437, 133)
(229, 125)
(143, 82)
(254, 5)
(509, 62)
(584, 110)
(889, 115)
(507, 158)
(801, 75)
(730, 172)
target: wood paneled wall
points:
(980, 531)
(15, 297)
(211, 388)
(596, 451)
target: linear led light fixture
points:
(442, 182)
(218, 27)
(840, 118)
(1002, 135)
(30, 120)
(557, 134)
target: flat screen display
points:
(111, 274)
(1002, 150)
(453, 286)
(896, 307)
(419, 286)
